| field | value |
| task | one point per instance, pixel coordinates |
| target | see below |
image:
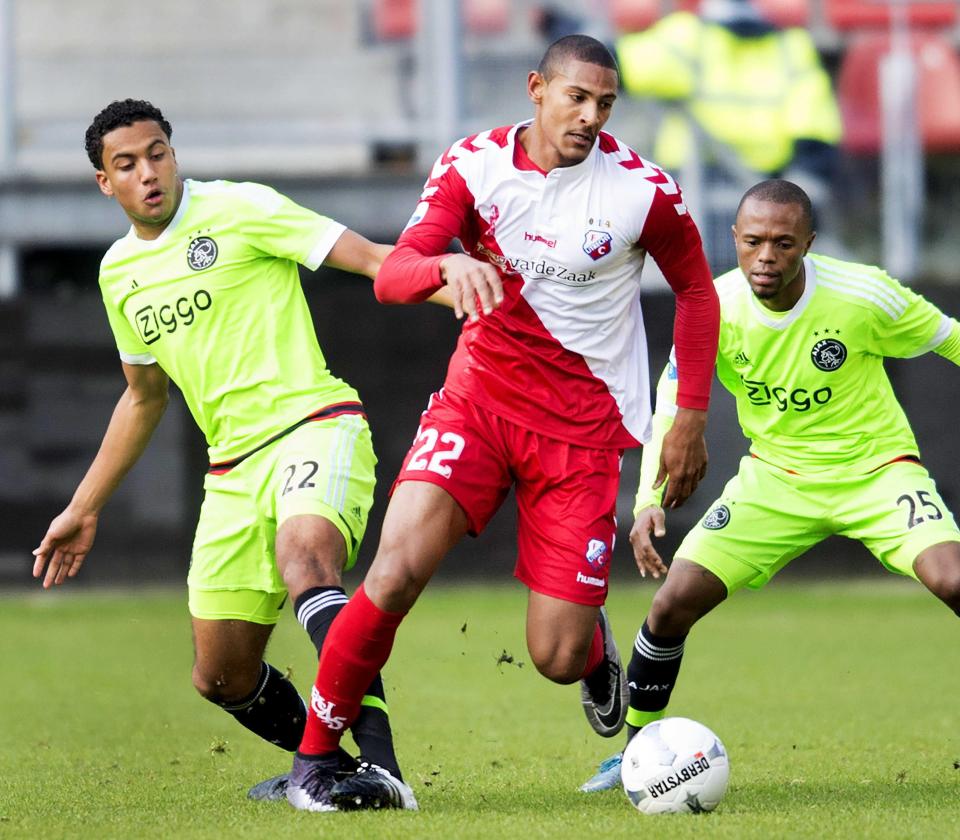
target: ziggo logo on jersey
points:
(799, 399)
(153, 322)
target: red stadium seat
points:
(865, 14)
(486, 17)
(786, 13)
(396, 20)
(633, 15)
(938, 92)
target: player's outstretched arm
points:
(359, 255)
(70, 535)
(353, 252)
(421, 268)
(649, 521)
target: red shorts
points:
(566, 494)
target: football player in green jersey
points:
(802, 342)
(204, 290)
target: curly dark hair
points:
(116, 114)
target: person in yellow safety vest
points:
(754, 98)
(760, 90)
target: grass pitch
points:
(837, 703)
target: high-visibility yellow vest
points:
(758, 95)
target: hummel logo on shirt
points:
(590, 580)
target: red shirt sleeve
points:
(412, 271)
(672, 239)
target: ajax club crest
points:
(717, 518)
(201, 253)
(828, 354)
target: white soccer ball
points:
(675, 766)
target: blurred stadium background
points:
(343, 105)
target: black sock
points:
(652, 674)
(273, 710)
(316, 609)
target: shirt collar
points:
(522, 161)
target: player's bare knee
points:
(946, 586)
(302, 573)
(670, 614)
(559, 674)
(939, 569)
(560, 660)
(393, 582)
(688, 594)
(221, 686)
(561, 667)
(311, 552)
(208, 686)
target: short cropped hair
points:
(116, 114)
(778, 191)
(576, 48)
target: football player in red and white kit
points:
(547, 387)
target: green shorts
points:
(766, 517)
(323, 468)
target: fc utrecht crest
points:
(597, 244)
(596, 554)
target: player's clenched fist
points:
(474, 285)
(649, 521)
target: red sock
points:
(356, 648)
(595, 656)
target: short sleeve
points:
(133, 350)
(276, 225)
(905, 324)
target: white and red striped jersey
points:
(565, 354)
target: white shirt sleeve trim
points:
(324, 246)
(941, 335)
(138, 358)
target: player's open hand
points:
(650, 522)
(683, 458)
(64, 547)
(474, 285)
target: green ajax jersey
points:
(216, 301)
(812, 394)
